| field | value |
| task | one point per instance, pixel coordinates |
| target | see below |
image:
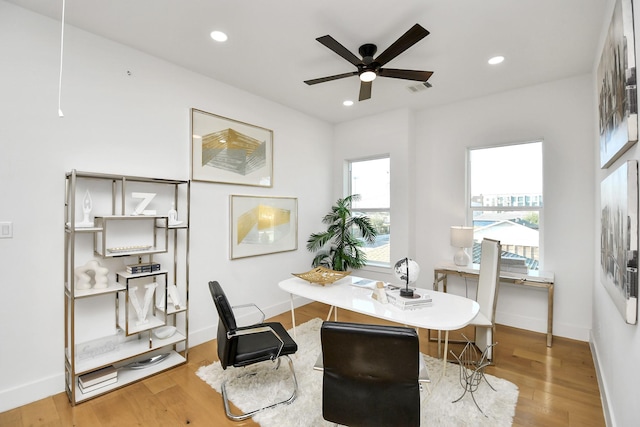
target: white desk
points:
(448, 312)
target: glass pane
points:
(378, 252)
(517, 232)
(509, 175)
(371, 180)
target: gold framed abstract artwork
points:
(228, 151)
(262, 225)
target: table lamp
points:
(461, 238)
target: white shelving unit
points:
(137, 323)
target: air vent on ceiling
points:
(419, 87)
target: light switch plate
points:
(6, 230)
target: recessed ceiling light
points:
(219, 36)
(496, 60)
(348, 103)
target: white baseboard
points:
(31, 392)
(602, 384)
(540, 325)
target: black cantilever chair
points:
(370, 375)
(246, 345)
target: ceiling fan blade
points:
(365, 91)
(421, 76)
(329, 78)
(332, 44)
(408, 39)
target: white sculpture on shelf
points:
(146, 199)
(173, 215)
(142, 310)
(174, 298)
(83, 278)
(87, 205)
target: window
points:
(505, 200)
(370, 178)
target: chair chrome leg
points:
(247, 415)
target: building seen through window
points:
(370, 179)
(505, 201)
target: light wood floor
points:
(557, 385)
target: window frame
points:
(349, 191)
(537, 200)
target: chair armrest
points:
(423, 373)
(257, 330)
(319, 365)
(254, 306)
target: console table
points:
(534, 278)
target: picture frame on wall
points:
(228, 151)
(617, 93)
(262, 225)
(619, 238)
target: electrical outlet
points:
(6, 230)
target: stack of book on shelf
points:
(419, 300)
(98, 379)
(148, 267)
(513, 265)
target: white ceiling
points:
(272, 48)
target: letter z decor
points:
(263, 225)
(228, 151)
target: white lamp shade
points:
(461, 237)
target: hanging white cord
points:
(60, 114)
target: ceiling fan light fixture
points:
(218, 36)
(368, 76)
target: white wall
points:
(428, 152)
(616, 345)
(561, 114)
(391, 134)
(135, 125)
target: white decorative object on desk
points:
(87, 205)
(407, 271)
(380, 294)
(83, 279)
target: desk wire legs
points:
(472, 365)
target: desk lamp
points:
(461, 238)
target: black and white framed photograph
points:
(619, 238)
(617, 93)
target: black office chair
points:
(243, 346)
(370, 375)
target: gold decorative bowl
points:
(322, 276)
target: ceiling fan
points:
(369, 67)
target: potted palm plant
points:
(339, 247)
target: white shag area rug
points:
(268, 385)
